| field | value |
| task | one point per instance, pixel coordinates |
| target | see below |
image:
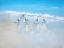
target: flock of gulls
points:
(29, 20)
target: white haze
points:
(46, 35)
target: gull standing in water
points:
(26, 24)
(18, 19)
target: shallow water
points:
(30, 36)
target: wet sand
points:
(11, 38)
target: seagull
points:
(43, 21)
(26, 20)
(18, 19)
